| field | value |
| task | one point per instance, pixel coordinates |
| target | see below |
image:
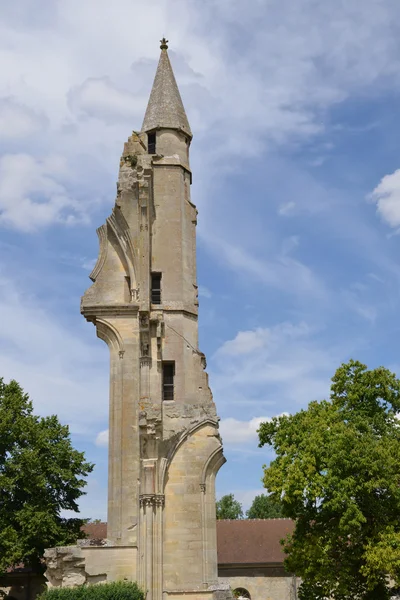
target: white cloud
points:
(386, 195)
(101, 99)
(102, 439)
(278, 270)
(62, 373)
(278, 86)
(204, 292)
(18, 121)
(236, 432)
(89, 263)
(356, 299)
(31, 196)
(283, 367)
(247, 342)
(246, 497)
(287, 208)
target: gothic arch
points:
(241, 594)
(118, 230)
(102, 235)
(188, 486)
(213, 465)
(185, 435)
(110, 335)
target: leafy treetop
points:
(229, 508)
(264, 507)
(337, 470)
(40, 475)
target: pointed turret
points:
(165, 108)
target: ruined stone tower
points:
(164, 446)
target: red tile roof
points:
(247, 541)
(96, 531)
(252, 541)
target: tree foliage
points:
(337, 470)
(229, 508)
(116, 590)
(265, 507)
(40, 475)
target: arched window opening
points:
(241, 594)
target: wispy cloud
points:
(204, 292)
(235, 432)
(287, 365)
(61, 373)
(261, 86)
(99, 98)
(18, 121)
(31, 195)
(324, 53)
(280, 271)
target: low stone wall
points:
(118, 562)
(70, 566)
(262, 583)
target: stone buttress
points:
(164, 445)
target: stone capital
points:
(152, 500)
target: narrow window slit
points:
(151, 143)
(168, 375)
(156, 288)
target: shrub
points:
(116, 590)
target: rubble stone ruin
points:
(164, 445)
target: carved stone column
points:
(151, 525)
(118, 327)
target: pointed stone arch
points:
(101, 259)
(188, 484)
(165, 462)
(118, 229)
(110, 335)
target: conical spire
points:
(165, 107)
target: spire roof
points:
(165, 107)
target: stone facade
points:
(164, 445)
(70, 566)
(261, 582)
(250, 562)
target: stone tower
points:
(164, 446)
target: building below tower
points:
(250, 561)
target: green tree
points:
(229, 508)
(40, 476)
(265, 507)
(337, 469)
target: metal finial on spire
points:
(164, 44)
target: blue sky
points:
(294, 109)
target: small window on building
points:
(151, 143)
(156, 288)
(168, 374)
